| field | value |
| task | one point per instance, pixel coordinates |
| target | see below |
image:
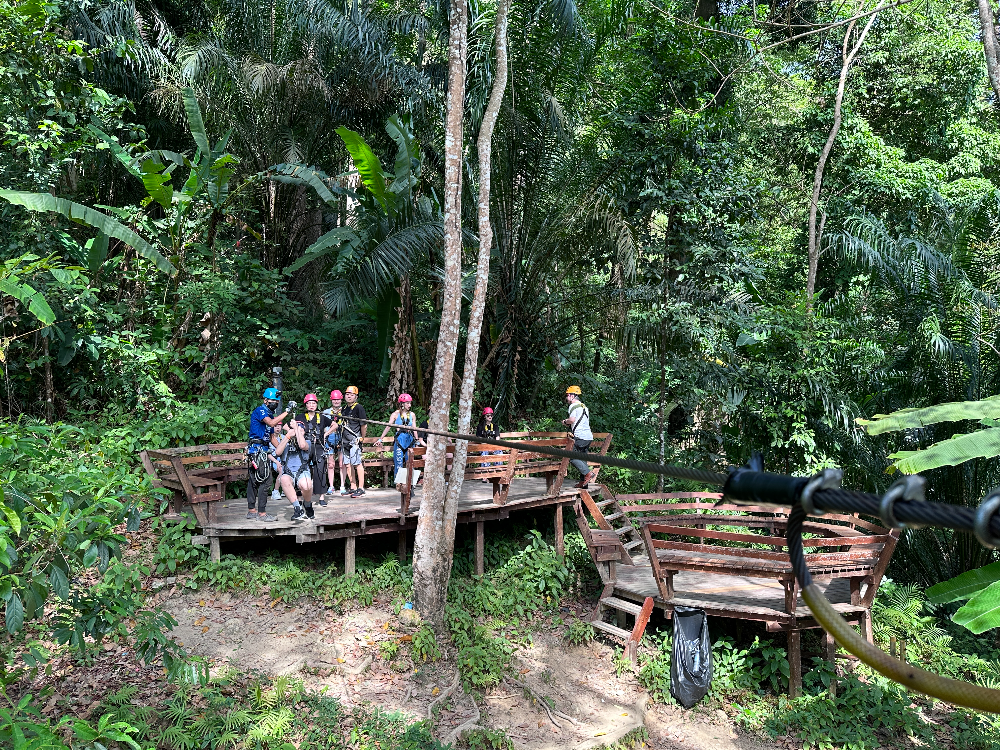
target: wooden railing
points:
(198, 475)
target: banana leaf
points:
(964, 586)
(982, 612)
(90, 217)
(954, 411)
(959, 449)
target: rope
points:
(670, 470)
(957, 692)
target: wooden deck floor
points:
(729, 595)
(377, 511)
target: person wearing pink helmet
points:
(315, 425)
(405, 439)
(334, 446)
(488, 429)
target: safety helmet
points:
(405, 398)
(352, 389)
(487, 410)
(310, 397)
(336, 396)
(271, 394)
(574, 389)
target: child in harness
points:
(405, 439)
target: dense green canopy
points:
(652, 175)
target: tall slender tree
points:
(432, 550)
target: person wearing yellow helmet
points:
(579, 426)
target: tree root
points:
(466, 726)
(544, 703)
(359, 668)
(444, 695)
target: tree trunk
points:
(432, 551)
(484, 147)
(663, 426)
(849, 54)
(50, 391)
(401, 365)
(988, 25)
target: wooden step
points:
(611, 629)
(622, 604)
(602, 503)
(633, 544)
(624, 529)
(613, 516)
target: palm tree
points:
(936, 303)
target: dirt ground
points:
(341, 653)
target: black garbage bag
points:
(691, 662)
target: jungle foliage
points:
(195, 192)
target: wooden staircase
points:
(609, 516)
(622, 608)
(611, 544)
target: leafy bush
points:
(174, 550)
(488, 739)
(580, 633)
(654, 668)
(424, 645)
(863, 717)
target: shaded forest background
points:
(653, 167)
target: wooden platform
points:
(735, 596)
(378, 511)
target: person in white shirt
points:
(579, 426)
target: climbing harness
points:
(903, 505)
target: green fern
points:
(122, 697)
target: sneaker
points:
(252, 515)
(310, 512)
(345, 491)
(584, 481)
(266, 517)
(361, 491)
(322, 500)
(298, 513)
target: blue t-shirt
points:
(258, 428)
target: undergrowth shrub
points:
(863, 717)
(579, 633)
(234, 710)
(424, 645)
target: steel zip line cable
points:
(903, 505)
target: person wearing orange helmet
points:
(579, 427)
(404, 439)
(353, 430)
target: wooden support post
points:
(830, 647)
(401, 548)
(560, 546)
(480, 551)
(349, 547)
(865, 621)
(215, 549)
(620, 617)
(794, 663)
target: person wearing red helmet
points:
(315, 427)
(488, 429)
(334, 446)
(405, 439)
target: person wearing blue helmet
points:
(260, 455)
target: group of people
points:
(302, 456)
